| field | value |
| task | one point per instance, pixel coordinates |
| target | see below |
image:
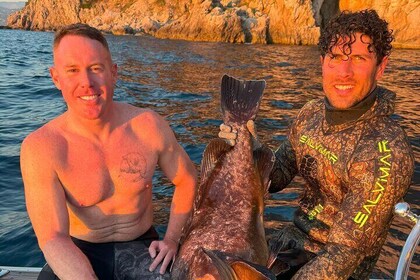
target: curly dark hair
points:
(343, 27)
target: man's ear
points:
(381, 68)
(321, 58)
(114, 71)
(54, 77)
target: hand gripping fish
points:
(225, 238)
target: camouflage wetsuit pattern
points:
(355, 172)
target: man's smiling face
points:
(85, 74)
(349, 78)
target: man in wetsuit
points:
(356, 161)
(88, 173)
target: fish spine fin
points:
(213, 153)
(264, 159)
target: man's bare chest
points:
(92, 173)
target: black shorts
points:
(117, 260)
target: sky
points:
(13, 0)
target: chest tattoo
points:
(133, 166)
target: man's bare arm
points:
(46, 205)
(177, 166)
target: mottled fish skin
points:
(228, 211)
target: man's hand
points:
(162, 250)
(227, 134)
(230, 135)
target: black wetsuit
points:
(357, 164)
(117, 260)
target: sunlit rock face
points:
(235, 21)
(403, 17)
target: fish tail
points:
(240, 99)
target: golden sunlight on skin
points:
(182, 203)
(86, 81)
(349, 79)
(98, 160)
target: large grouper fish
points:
(225, 237)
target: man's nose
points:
(345, 68)
(86, 79)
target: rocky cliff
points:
(236, 21)
(7, 8)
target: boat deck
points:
(20, 273)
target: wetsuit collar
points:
(335, 116)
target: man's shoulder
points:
(384, 134)
(146, 121)
(138, 114)
(44, 144)
(384, 127)
(47, 133)
(313, 106)
(309, 111)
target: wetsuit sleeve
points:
(285, 167)
(377, 179)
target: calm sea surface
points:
(181, 80)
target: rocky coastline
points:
(235, 21)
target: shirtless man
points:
(88, 173)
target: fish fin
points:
(213, 152)
(230, 266)
(223, 268)
(245, 270)
(278, 267)
(264, 159)
(240, 99)
(291, 258)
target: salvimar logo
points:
(377, 192)
(317, 209)
(318, 147)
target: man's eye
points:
(72, 70)
(97, 69)
(334, 57)
(359, 58)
